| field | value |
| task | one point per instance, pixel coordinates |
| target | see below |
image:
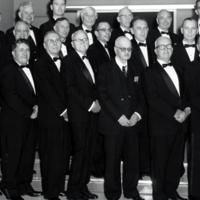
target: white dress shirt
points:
(105, 48)
(90, 37)
(190, 51)
(128, 35)
(165, 35)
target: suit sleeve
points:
(46, 88)
(154, 100)
(192, 85)
(10, 94)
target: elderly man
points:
(62, 27)
(54, 145)
(197, 11)
(80, 86)
(168, 111)
(164, 20)
(26, 13)
(186, 49)
(18, 127)
(191, 74)
(88, 18)
(122, 102)
(124, 18)
(21, 30)
(58, 8)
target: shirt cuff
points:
(91, 107)
(138, 115)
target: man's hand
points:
(35, 112)
(123, 121)
(96, 108)
(180, 116)
(65, 115)
(134, 119)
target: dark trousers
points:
(167, 157)
(54, 154)
(194, 164)
(18, 156)
(84, 138)
(122, 147)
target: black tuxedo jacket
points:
(115, 34)
(154, 34)
(2, 45)
(163, 100)
(98, 55)
(48, 26)
(34, 48)
(78, 86)
(51, 97)
(18, 98)
(137, 57)
(113, 99)
(191, 75)
(180, 56)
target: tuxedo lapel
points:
(103, 50)
(167, 80)
(83, 68)
(30, 87)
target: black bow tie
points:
(190, 45)
(106, 46)
(127, 32)
(56, 58)
(31, 28)
(23, 66)
(162, 32)
(88, 31)
(142, 44)
(167, 65)
(84, 57)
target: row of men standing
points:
(78, 82)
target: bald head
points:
(163, 48)
(123, 48)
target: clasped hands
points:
(35, 112)
(181, 116)
(124, 121)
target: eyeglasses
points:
(125, 49)
(52, 42)
(81, 40)
(162, 46)
(104, 29)
(126, 16)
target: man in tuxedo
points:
(2, 45)
(88, 18)
(120, 120)
(99, 52)
(191, 74)
(142, 58)
(26, 13)
(58, 8)
(18, 126)
(62, 27)
(54, 145)
(124, 18)
(168, 110)
(164, 20)
(21, 31)
(80, 86)
(186, 49)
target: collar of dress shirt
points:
(140, 42)
(184, 42)
(19, 63)
(53, 56)
(103, 44)
(125, 29)
(161, 62)
(119, 63)
(80, 54)
(162, 30)
(85, 28)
